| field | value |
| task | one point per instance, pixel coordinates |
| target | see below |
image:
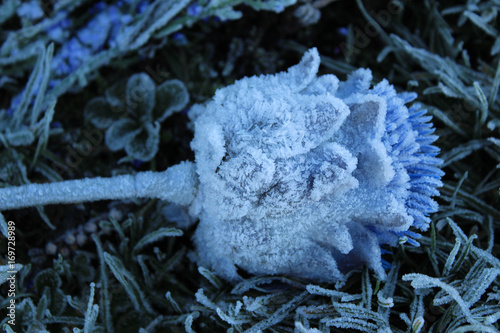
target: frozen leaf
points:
(42, 87)
(140, 96)
(20, 137)
(116, 95)
(45, 131)
(481, 22)
(121, 133)
(227, 13)
(496, 47)
(155, 236)
(30, 89)
(422, 281)
(91, 313)
(3, 227)
(128, 283)
(6, 272)
(171, 96)
(100, 113)
(189, 321)
(156, 17)
(7, 9)
(279, 315)
(144, 145)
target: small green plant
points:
(132, 111)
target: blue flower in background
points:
(100, 32)
(180, 39)
(95, 34)
(194, 10)
(60, 32)
(30, 10)
(98, 7)
(343, 31)
(70, 56)
(118, 20)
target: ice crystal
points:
(305, 175)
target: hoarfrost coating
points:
(295, 174)
(305, 175)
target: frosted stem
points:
(177, 184)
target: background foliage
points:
(125, 266)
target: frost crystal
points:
(305, 175)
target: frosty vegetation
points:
(307, 176)
(298, 174)
(121, 265)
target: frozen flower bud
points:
(305, 175)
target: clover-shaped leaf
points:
(144, 144)
(101, 114)
(121, 133)
(129, 110)
(140, 96)
(115, 95)
(171, 96)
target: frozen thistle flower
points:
(307, 176)
(295, 174)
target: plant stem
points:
(177, 184)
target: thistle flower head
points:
(305, 175)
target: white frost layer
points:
(295, 175)
(177, 184)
